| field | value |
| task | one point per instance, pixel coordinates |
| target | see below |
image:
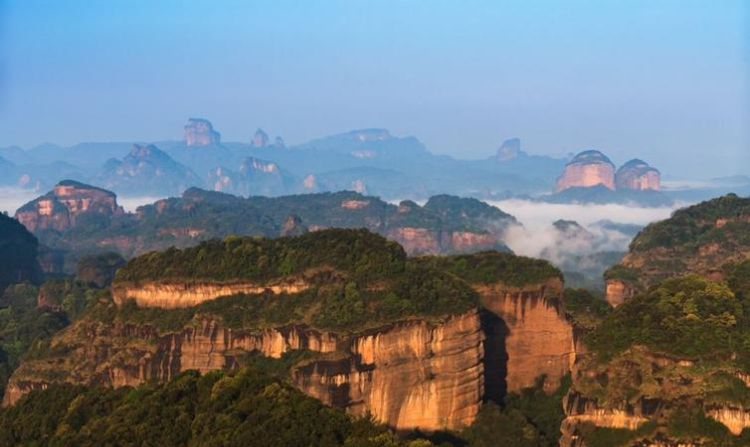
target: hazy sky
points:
(663, 80)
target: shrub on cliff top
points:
(691, 224)
(490, 267)
(246, 408)
(361, 254)
(689, 316)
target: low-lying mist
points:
(604, 233)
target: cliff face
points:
(200, 132)
(60, 208)
(589, 168)
(174, 295)
(532, 335)
(412, 374)
(638, 175)
(421, 241)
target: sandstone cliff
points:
(588, 168)
(410, 374)
(532, 333)
(60, 208)
(638, 175)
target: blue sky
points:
(666, 81)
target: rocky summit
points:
(67, 203)
(200, 132)
(638, 175)
(587, 169)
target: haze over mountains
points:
(371, 161)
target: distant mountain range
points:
(370, 161)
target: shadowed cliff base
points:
(495, 357)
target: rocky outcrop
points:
(587, 169)
(510, 150)
(531, 333)
(733, 417)
(420, 241)
(410, 375)
(200, 132)
(129, 355)
(638, 175)
(260, 139)
(60, 208)
(617, 291)
(174, 295)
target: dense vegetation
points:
(688, 317)
(361, 254)
(18, 250)
(201, 215)
(695, 225)
(585, 309)
(99, 269)
(337, 304)
(246, 408)
(23, 327)
(490, 267)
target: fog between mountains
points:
(538, 238)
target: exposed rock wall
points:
(59, 209)
(538, 339)
(175, 295)
(420, 241)
(638, 175)
(411, 375)
(617, 291)
(588, 168)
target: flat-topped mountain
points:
(588, 168)
(68, 204)
(398, 338)
(638, 175)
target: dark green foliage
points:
(466, 213)
(18, 250)
(68, 295)
(246, 408)
(689, 316)
(99, 269)
(496, 427)
(490, 267)
(692, 225)
(622, 273)
(23, 327)
(361, 254)
(585, 309)
(544, 411)
(739, 280)
(692, 423)
(418, 291)
(614, 437)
